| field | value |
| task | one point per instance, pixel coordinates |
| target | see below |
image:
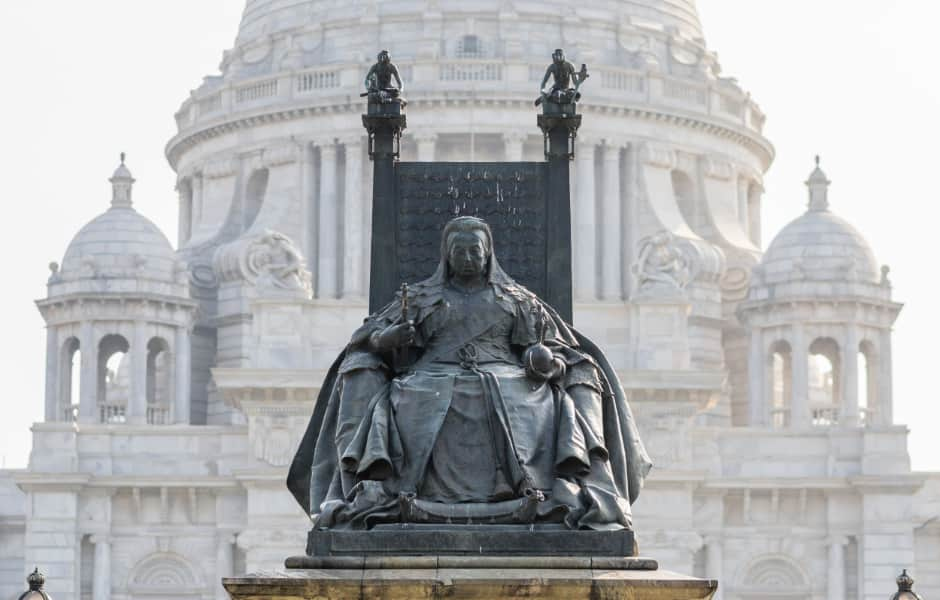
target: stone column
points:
(427, 144)
(714, 561)
(353, 238)
(742, 203)
(54, 376)
(585, 229)
(799, 401)
(755, 382)
(836, 583)
(611, 226)
(885, 408)
(224, 562)
(512, 144)
(185, 222)
(181, 403)
(753, 214)
(137, 401)
(327, 264)
(308, 205)
(101, 583)
(196, 218)
(849, 400)
(88, 395)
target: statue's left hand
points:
(542, 365)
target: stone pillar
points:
(755, 382)
(327, 265)
(799, 401)
(224, 562)
(54, 376)
(512, 144)
(753, 214)
(849, 400)
(308, 205)
(137, 401)
(185, 222)
(885, 408)
(714, 562)
(353, 238)
(88, 395)
(183, 367)
(197, 209)
(101, 583)
(836, 583)
(427, 143)
(743, 218)
(585, 229)
(611, 226)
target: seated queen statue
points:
(468, 400)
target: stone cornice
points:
(344, 103)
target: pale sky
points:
(853, 80)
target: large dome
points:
(266, 17)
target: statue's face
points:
(466, 255)
(384, 57)
(559, 56)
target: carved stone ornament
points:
(220, 168)
(280, 155)
(270, 260)
(662, 266)
(718, 169)
(658, 156)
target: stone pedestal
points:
(471, 578)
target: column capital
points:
(351, 139)
(425, 136)
(609, 143)
(326, 146)
(100, 538)
(835, 539)
(515, 137)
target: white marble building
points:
(179, 382)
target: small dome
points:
(819, 246)
(120, 245)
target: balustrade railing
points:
(779, 418)
(112, 413)
(824, 416)
(256, 91)
(317, 80)
(471, 71)
(70, 413)
(158, 415)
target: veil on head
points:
(468, 224)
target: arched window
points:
(772, 578)
(158, 382)
(781, 391)
(113, 379)
(469, 46)
(70, 380)
(867, 383)
(254, 197)
(684, 191)
(824, 381)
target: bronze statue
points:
(468, 400)
(378, 81)
(566, 82)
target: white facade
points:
(155, 477)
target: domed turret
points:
(121, 292)
(819, 292)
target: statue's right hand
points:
(395, 336)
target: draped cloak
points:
(352, 463)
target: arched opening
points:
(684, 191)
(867, 383)
(825, 387)
(254, 197)
(158, 382)
(113, 379)
(781, 391)
(70, 380)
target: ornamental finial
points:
(36, 580)
(123, 155)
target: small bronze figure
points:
(378, 81)
(567, 81)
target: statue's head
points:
(384, 56)
(558, 56)
(467, 246)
